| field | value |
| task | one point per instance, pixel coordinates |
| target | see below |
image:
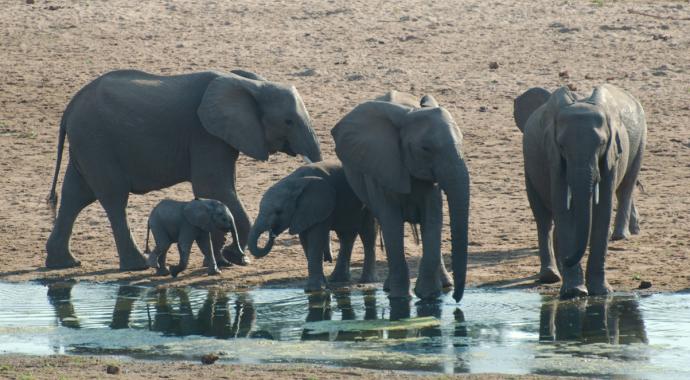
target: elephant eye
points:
(279, 211)
(288, 121)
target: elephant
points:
(577, 153)
(134, 132)
(397, 157)
(312, 201)
(184, 223)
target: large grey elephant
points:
(312, 201)
(578, 153)
(185, 223)
(394, 154)
(133, 132)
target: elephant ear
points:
(248, 74)
(368, 140)
(198, 214)
(314, 204)
(428, 101)
(525, 104)
(229, 110)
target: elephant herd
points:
(133, 132)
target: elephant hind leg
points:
(367, 234)
(627, 219)
(115, 205)
(341, 273)
(76, 195)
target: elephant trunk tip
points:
(458, 293)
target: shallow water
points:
(491, 331)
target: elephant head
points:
(392, 143)
(294, 202)
(583, 146)
(211, 215)
(258, 117)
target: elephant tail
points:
(52, 197)
(148, 232)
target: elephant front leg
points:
(315, 240)
(548, 273)
(573, 284)
(130, 256)
(598, 242)
(341, 272)
(398, 281)
(184, 245)
(367, 234)
(204, 242)
(428, 284)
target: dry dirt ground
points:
(339, 54)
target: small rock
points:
(30, 1)
(662, 37)
(587, 76)
(645, 285)
(354, 77)
(53, 7)
(572, 87)
(112, 370)
(483, 109)
(564, 74)
(209, 359)
(408, 37)
(179, 46)
(305, 73)
(493, 65)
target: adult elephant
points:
(578, 153)
(133, 132)
(394, 154)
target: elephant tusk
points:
(570, 198)
(596, 194)
(306, 160)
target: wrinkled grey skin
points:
(584, 145)
(133, 132)
(185, 223)
(312, 201)
(397, 158)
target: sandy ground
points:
(86, 367)
(339, 54)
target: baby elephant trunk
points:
(258, 229)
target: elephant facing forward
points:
(312, 201)
(133, 132)
(397, 158)
(577, 154)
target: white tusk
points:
(306, 159)
(570, 198)
(596, 194)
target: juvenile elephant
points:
(133, 132)
(394, 154)
(577, 153)
(184, 223)
(312, 201)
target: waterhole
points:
(513, 332)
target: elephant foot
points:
(315, 286)
(230, 254)
(152, 260)
(401, 291)
(368, 278)
(549, 275)
(175, 270)
(213, 271)
(162, 271)
(446, 281)
(60, 258)
(387, 285)
(339, 276)
(573, 292)
(599, 288)
(133, 261)
(620, 235)
(427, 290)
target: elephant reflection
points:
(60, 297)
(212, 319)
(612, 320)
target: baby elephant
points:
(312, 201)
(184, 223)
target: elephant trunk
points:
(303, 141)
(455, 183)
(257, 230)
(581, 191)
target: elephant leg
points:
(446, 279)
(548, 274)
(634, 225)
(341, 273)
(317, 238)
(624, 194)
(367, 235)
(228, 256)
(598, 242)
(184, 246)
(327, 253)
(398, 272)
(115, 205)
(428, 284)
(573, 284)
(157, 258)
(76, 195)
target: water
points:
(511, 332)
